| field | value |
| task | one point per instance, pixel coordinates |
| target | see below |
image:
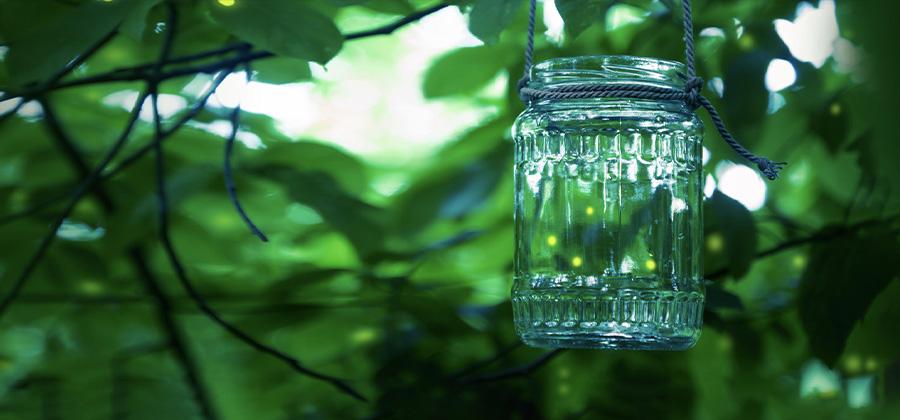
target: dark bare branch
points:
(78, 194)
(229, 178)
(181, 273)
(518, 371)
(149, 71)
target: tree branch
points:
(198, 299)
(176, 340)
(129, 160)
(823, 235)
(181, 273)
(500, 354)
(229, 180)
(139, 261)
(147, 71)
(518, 371)
(79, 193)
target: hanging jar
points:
(608, 210)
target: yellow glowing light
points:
(852, 364)
(90, 287)
(835, 109)
(227, 3)
(576, 262)
(747, 42)
(799, 261)
(589, 211)
(551, 240)
(715, 242)
(364, 335)
(725, 343)
(650, 264)
(871, 364)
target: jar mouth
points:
(612, 69)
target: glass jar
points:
(608, 212)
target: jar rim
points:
(609, 69)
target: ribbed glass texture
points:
(608, 212)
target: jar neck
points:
(608, 69)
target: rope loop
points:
(692, 94)
(692, 90)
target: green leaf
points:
(281, 70)
(843, 277)
(359, 221)
(44, 48)
(284, 27)
(734, 223)
(746, 98)
(309, 156)
(578, 15)
(489, 18)
(136, 21)
(463, 71)
(454, 192)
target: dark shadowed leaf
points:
(452, 193)
(46, 46)
(746, 99)
(727, 217)
(842, 279)
(135, 22)
(581, 14)
(490, 17)
(284, 27)
(360, 222)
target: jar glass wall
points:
(608, 212)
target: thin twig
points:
(139, 261)
(820, 236)
(79, 193)
(181, 273)
(503, 352)
(198, 299)
(392, 27)
(129, 160)
(229, 179)
(518, 371)
(177, 342)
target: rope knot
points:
(692, 90)
(769, 168)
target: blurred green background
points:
(380, 169)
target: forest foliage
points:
(402, 299)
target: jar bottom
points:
(601, 318)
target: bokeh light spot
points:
(742, 184)
(576, 262)
(715, 242)
(780, 75)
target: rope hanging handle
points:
(691, 94)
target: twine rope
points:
(691, 95)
